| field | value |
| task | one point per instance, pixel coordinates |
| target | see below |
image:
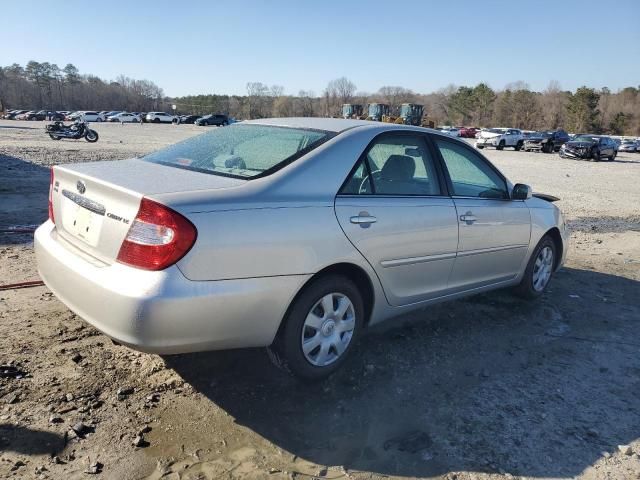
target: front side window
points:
(241, 151)
(470, 174)
(395, 165)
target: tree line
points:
(46, 86)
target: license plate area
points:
(81, 222)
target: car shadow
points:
(24, 189)
(26, 441)
(490, 383)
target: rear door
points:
(494, 231)
(395, 211)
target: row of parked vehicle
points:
(579, 146)
(118, 116)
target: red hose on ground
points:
(15, 286)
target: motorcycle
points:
(79, 129)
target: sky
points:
(200, 47)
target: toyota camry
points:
(293, 234)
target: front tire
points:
(537, 275)
(500, 145)
(54, 137)
(91, 136)
(595, 155)
(320, 328)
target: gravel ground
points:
(489, 387)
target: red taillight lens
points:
(157, 238)
(51, 179)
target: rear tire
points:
(537, 275)
(54, 137)
(480, 147)
(518, 146)
(329, 333)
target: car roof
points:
(318, 123)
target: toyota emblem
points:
(81, 186)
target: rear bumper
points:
(163, 312)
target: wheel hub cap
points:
(328, 329)
(542, 269)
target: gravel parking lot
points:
(489, 387)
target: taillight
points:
(157, 238)
(51, 178)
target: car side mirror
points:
(521, 192)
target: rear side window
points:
(395, 165)
(470, 174)
(241, 151)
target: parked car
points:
(451, 131)
(87, 116)
(500, 138)
(214, 119)
(548, 141)
(589, 147)
(124, 117)
(189, 119)
(39, 115)
(106, 115)
(203, 245)
(14, 114)
(25, 115)
(628, 145)
(159, 117)
(468, 132)
(55, 116)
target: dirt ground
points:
(489, 387)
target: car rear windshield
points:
(241, 151)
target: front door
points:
(394, 211)
(494, 231)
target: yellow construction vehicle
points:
(413, 114)
(377, 111)
(351, 110)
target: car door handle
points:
(363, 219)
(468, 218)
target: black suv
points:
(217, 119)
(548, 141)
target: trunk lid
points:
(94, 204)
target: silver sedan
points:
(294, 234)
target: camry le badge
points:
(81, 186)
